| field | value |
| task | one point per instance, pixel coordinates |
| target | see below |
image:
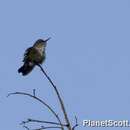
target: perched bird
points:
(33, 56)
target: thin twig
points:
(38, 121)
(34, 92)
(41, 101)
(76, 123)
(26, 127)
(59, 98)
(49, 127)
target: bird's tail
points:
(26, 68)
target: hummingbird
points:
(33, 56)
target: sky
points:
(88, 59)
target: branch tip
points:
(76, 123)
(34, 92)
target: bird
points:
(33, 56)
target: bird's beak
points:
(47, 39)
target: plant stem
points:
(59, 98)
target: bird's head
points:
(41, 43)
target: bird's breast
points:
(40, 57)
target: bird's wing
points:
(26, 54)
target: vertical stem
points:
(59, 98)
